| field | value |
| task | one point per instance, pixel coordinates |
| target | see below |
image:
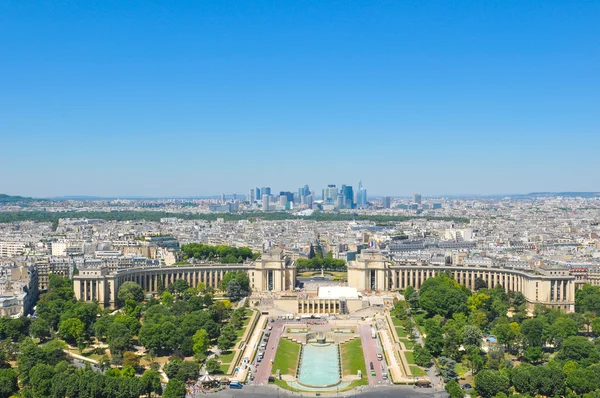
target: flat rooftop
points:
(337, 292)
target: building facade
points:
(553, 287)
(273, 271)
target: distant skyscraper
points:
(266, 199)
(258, 193)
(387, 202)
(222, 198)
(251, 196)
(289, 196)
(417, 198)
(330, 194)
(283, 199)
(348, 193)
(265, 191)
(339, 203)
(361, 195)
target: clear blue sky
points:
(201, 97)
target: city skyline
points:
(439, 98)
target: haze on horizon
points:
(162, 100)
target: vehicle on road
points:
(373, 333)
(466, 386)
(379, 356)
(423, 383)
(236, 385)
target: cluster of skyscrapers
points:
(332, 197)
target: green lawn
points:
(353, 358)
(248, 316)
(286, 358)
(401, 332)
(224, 368)
(397, 322)
(408, 344)
(227, 357)
(410, 358)
(417, 371)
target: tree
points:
(488, 383)
(40, 328)
(596, 327)
(213, 366)
(175, 389)
(179, 286)
(533, 354)
(130, 358)
(226, 339)
(579, 349)
(447, 368)
(564, 327)
(128, 371)
(472, 336)
(422, 356)
(130, 291)
(442, 295)
(151, 383)
(434, 342)
(118, 338)
(187, 370)
(453, 389)
(588, 299)
(102, 325)
(412, 296)
(474, 359)
(549, 380)
(480, 283)
(167, 298)
(40, 377)
(507, 333)
(453, 339)
(495, 356)
(8, 382)
(71, 330)
(582, 381)
(523, 379)
(532, 331)
(200, 342)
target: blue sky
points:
(180, 98)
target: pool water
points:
(320, 365)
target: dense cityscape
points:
(359, 199)
(336, 270)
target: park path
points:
(251, 346)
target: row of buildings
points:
(372, 271)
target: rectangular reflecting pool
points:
(320, 365)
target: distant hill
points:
(566, 194)
(11, 199)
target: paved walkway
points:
(395, 367)
(251, 346)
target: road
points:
(263, 370)
(367, 392)
(369, 345)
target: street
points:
(369, 345)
